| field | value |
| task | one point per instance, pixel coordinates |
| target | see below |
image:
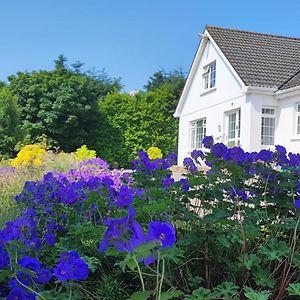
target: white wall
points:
(256, 102)
(227, 95)
(286, 131)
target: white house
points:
(244, 89)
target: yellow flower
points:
(154, 153)
(29, 155)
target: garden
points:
(72, 227)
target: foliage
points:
(83, 153)
(29, 155)
(9, 122)
(136, 122)
(173, 81)
(61, 104)
(96, 233)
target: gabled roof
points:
(261, 60)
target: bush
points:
(93, 233)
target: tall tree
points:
(9, 122)
(174, 81)
(63, 104)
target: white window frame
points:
(297, 119)
(271, 134)
(209, 76)
(233, 128)
(197, 133)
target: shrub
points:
(229, 233)
(84, 153)
(29, 155)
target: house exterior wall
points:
(228, 95)
(256, 102)
(286, 131)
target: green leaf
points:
(141, 295)
(173, 254)
(253, 295)
(294, 289)
(128, 262)
(170, 294)
(226, 290)
(145, 250)
(92, 262)
(275, 250)
(199, 294)
(262, 278)
(251, 261)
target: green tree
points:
(9, 122)
(174, 81)
(138, 122)
(63, 104)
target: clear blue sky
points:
(130, 39)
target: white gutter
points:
(288, 92)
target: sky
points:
(130, 39)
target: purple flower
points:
(236, 154)
(44, 275)
(265, 155)
(125, 196)
(4, 258)
(168, 181)
(208, 142)
(63, 271)
(297, 203)
(220, 150)
(189, 163)
(280, 149)
(196, 154)
(71, 267)
(50, 238)
(162, 232)
(30, 263)
(172, 159)
(184, 184)
(17, 293)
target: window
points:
(298, 119)
(233, 128)
(209, 76)
(268, 126)
(197, 133)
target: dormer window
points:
(209, 76)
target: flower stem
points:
(162, 278)
(140, 273)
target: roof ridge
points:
(251, 32)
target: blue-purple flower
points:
(208, 142)
(71, 267)
(162, 232)
(167, 181)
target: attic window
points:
(209, 76)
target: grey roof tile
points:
(260, 59)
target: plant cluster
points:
(83, 153)
(96, 233)
(29, 155)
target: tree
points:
(63, 104)
(139, 122)
(9, 122)
(174, 81)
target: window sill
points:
(208, 91)
(295, 138)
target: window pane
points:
(198, 133)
